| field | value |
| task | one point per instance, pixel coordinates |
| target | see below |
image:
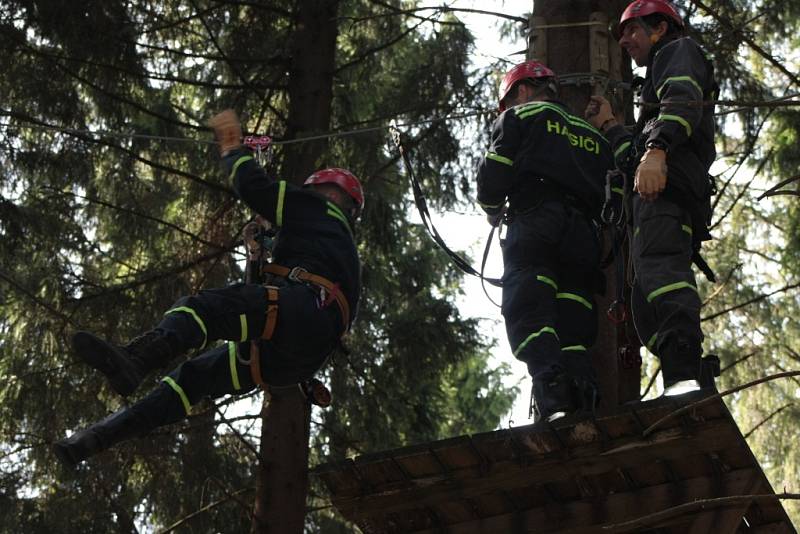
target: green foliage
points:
(104, 232)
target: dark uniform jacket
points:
(680, 77)
(313, 233)
(539, 149)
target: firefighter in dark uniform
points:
(668, 154)
(297, 319)
(550, 166)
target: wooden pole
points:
(282, 476)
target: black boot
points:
(124, 366)
(586, 394)
(119, 426)
(681, 364)
(552, 396)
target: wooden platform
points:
(575, 475)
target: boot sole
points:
(105, 358)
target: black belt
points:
(542, 191)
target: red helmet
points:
(526, 70)
(642, 8)
(345, 179)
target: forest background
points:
(112, 205)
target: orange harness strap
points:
(298, 274)
(269, 329)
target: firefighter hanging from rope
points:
(296, 318)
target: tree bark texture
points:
(313, 53)
(282, 476)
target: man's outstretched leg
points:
(120, 426)
(124, 365)
(215, 373)
(235, 312)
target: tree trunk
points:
(313, 52)
(589, 49)
(282, 476)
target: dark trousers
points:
(551, 256)
(305, 334)
(665, 302)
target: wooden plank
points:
(668, 444)
(339, 478)
(726, 520)
(553, 476)
(586, 517)
(773, 528)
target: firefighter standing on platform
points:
(668, 154)
(298, 318)
(550, 167)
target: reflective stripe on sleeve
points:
(679, 120)
(243, 323)
(236, 165)
(490, 206)
(499, 158)
(179, 390)
(689, 79)
(279, 206)
(622, 148)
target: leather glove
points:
(651, 174)
(598, 112)
(227, 130)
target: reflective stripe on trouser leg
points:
(577, 321)
(235, 313)
(210, 374)
(667, 303)
(232, 361)
(179, 391)
(193, 314)
(533, 336)
(665, 300)
(530, 313)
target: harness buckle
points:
(295, 273)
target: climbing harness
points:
(612, 216)
(329, 291)
(258, 238)
(422, 207)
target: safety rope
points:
(327, 135)
(570, 79)
(422, 206)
